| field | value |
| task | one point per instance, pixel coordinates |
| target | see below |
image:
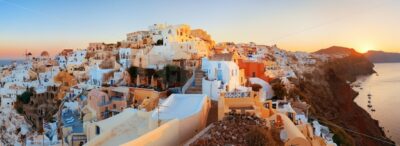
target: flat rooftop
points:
(180, 106)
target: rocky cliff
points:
(331, 99)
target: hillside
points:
(382, 57)
(336, 50)
(332, 99)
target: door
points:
(219, 75)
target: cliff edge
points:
(332, 99)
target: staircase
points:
(196, 87)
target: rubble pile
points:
(234, 129)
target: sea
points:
(8, 62)
(384, 88)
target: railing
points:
(117, 98)
(237, 94)
(113, 98)
(189, 82)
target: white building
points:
(221, 76)
(266, 90)
(178, 119)
(125, 57)
(62, 61)
(173, 42)
(96, 75)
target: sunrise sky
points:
(306, 25)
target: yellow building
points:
(66, 80)
(243, 102)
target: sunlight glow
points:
(365, 48)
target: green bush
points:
(20, 110)
(25, 97)
(160, 42)
(133, 72)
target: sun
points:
(365, 48)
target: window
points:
(97, 130)
(114, 106)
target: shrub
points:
(279, 88)
(25, 97)
(160, 42)
(20, 110)
(133, 72)
(256, 87)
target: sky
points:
(296, 25)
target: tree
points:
(133, 72)
(25, 97)
(279, 88)
(159, 74)
(160, 42)
(171, 73)
(149, 73)
(256, 87)
(20, 110)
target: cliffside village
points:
(168, 85)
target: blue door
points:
(219, 75)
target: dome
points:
(45, 54)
